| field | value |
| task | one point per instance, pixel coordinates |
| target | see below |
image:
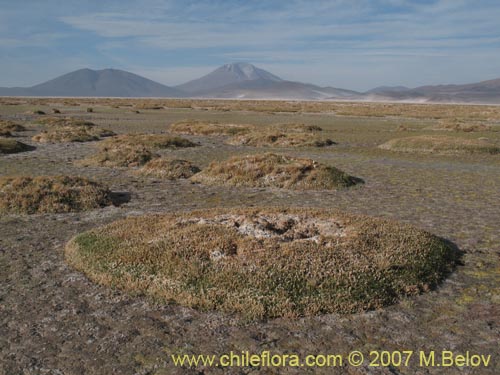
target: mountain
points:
(262, 89)
(382, 89)
(95, 83)
(245, 81)
(487, 92)
(227, 75)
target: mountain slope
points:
(382, 89)
(226, 75)
(107, 83)
(242, 80)
(482, 92)
(262, 89)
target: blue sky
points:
(357, 44)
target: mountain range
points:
(245, 81)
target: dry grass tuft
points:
(264, 263)
(271, 170)
(5, 133)
(7, 127)
(116, 156)
(170, 169)
(440, 144)
(461, 126)
(153, 141)
(148, 104)
(60, 134)
(197, 127)
(296, 128)
(31, 195)
(280, 138)
(133, 150)
(10, 146)
(64, 121)
(68, 129)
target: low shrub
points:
(271, 170)
(29, 195)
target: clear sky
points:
(356, 44)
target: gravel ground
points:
(54, 321)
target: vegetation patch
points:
(296, 128)
(68, 129)
(280, 138)
(462, 126)
(64, 121)
(133, 150)
(170, 169)
(152, 141)
(71, 133)
(264, 263)
(31, 195)
(440, 144)
(148, 104)
(10, 146)
(8, 127)
(272, 170)
(197, 127)
(116, 156)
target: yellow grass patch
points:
(71, 133)
(462, 126)
(198, 127)
(272, 170)
(297, 128)
(280, 138)
(51, 194)
(64, 121)
(168, 168)
(132, 150)
(7, 127)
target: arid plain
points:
(444, 178)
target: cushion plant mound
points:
(10, 146)
(167, 168)
(297, 128)
(271, 170)
(64, 121)
(461, 126)
(264, 263)
(7, 126)
(197, 127)
(280, 138)
(5, 133)
(51, 194)
(152, 141)
(116, 156)
(132, 150)
(440, 144)
(62, 134)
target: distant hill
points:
(245, 81)
(487, 92)
(101, 83)
(388, 89)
